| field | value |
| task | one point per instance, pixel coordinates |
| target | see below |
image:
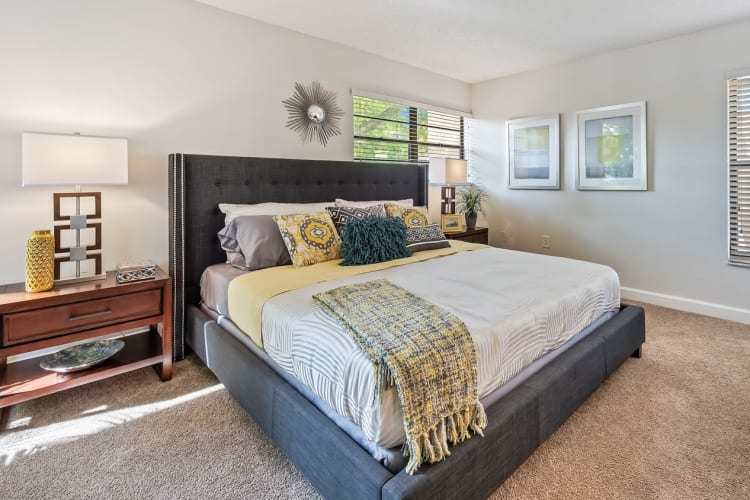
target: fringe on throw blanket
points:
(432, 446)
(422, 350)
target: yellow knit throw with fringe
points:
(422, 349)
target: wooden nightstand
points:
(82, 311)
(476, 235)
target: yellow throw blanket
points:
(249, 292)
(422, 349)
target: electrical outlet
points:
(546, 241)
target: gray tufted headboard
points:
(198, 183)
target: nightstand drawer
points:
(475, 238)
(475, 235)
(67, 318)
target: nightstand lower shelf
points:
(25, 380)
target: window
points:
(388, 131)
(739, 169)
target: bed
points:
(335, 463)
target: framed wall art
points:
(533, 153)
(612, 148)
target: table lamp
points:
(75, 160)
(446, 172)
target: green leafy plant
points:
(470, 200)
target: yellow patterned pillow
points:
(412, 216)
(310, 238)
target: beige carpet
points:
(674, 424)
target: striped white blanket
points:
(517, 307)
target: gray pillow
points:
(427, 237)
(254, 242)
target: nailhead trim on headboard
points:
(177, 252)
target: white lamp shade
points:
(447, 171)
(60, 159)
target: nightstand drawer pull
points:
(92, 315)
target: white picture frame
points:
(611, 150)
(533, 152)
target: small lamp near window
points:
(75, 160)
(447, 172)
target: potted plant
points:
(470, 202)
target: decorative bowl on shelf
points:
(81, 357)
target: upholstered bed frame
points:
(335, 464)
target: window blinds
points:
(387, 131)
(739, 170)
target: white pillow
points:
(271, 208)
(362, 204)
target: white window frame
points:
(738, 165)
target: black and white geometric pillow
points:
(427, 237)
(342, 215)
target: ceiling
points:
(477, 40)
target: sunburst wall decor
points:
(313, 112)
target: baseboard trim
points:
(689, 305)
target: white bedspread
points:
(517, 307)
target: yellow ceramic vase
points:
(40, 261)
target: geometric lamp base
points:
(78, 259)
(69, 269)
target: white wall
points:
(171, 76)
(669, 240)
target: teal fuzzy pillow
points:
(373, 239)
